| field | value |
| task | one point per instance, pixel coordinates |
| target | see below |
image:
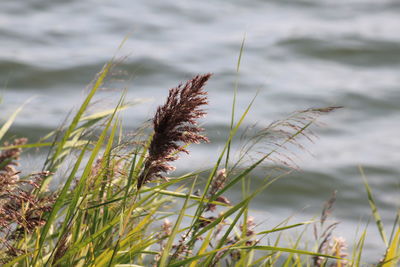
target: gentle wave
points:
(349, 51)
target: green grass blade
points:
(79, 193)
(289, 250)
(234, 99)
(393, 253)
(109, 254)
(375, 213)
(395, 225)
(59, 201)
(17, 260)
(232, 133)
(9, 122)
(32, 145)
(54, 162)
(165, 254)
(223, 240)
(360, 248)
(197, 257)
(234, 208)
(204, 245)
(284, 228)
(103, 114)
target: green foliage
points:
(100, 217)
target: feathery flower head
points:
(175, 126)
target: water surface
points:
(298, 54)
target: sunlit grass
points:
(113, 206)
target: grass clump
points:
(112, 206)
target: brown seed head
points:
(175, 125)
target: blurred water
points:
(299, 54)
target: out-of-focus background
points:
(299, 54)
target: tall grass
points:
(112, 207)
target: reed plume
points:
(217, 184)
(175, 126)
(21, 211)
